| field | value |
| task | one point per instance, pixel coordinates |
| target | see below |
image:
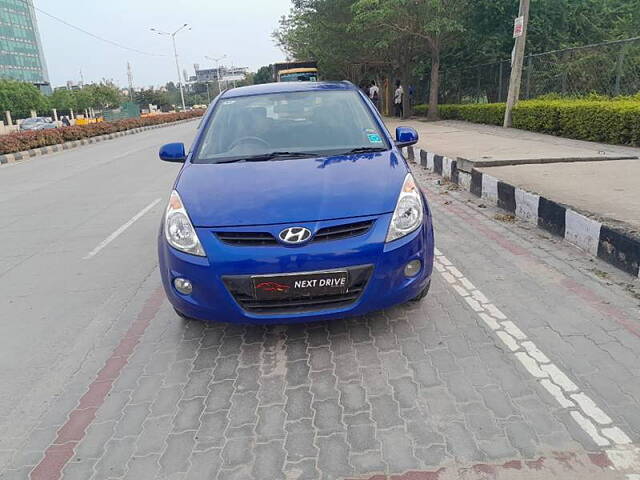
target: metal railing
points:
(609, 68)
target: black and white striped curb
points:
(36, 152)
(607, 242)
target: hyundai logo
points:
(295, 235)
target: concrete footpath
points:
(586, 192)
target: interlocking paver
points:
(333, 456)
(114, 460)
(188, 415)
(175, 458)
(154, 433)
(300, 440)
(411, 388)
(298, 403)
(132, 419)
(205, 464)
(270, 458)
(270, 422)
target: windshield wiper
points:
(270, 156)
(365, 150)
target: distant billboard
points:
(233, 78)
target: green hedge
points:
(608, 121)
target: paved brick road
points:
(426, 387)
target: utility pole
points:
(175, 54)
(520, 33)
(130, 78)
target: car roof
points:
(284, 87)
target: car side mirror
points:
(173, 152)
(406, 136)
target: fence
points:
(611, 68)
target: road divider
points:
(608, 242)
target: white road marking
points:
(590, 408)
(514, 331)
(508, 340)
(120, 230)
(532, 350)
(622, 455)
(557, 393)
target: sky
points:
(240, 29)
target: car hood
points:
(292, 190)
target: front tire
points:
(180, 314)
(422, 294)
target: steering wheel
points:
(254, 140)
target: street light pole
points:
(175, 53)
(217, 60)
(516, 67)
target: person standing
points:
(374, 94)
(397, 99)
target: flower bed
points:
(21, 141)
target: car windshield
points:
(318, 122)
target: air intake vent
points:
(247, 238)
(339, 232)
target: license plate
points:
(274, 287)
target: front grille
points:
(337, 232)
(247, 239)
(241, 288)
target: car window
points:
(320, 121)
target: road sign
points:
(518, 27)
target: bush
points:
(21, 141)
(590, 118)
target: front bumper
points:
(214, 299)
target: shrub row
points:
(616, 122)
(21, 141)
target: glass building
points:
(21, 55)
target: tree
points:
(155, 97)
(20, 98)
(434, 22)
(322, 30)
(105, 95)
(263, 75)
(63, 100)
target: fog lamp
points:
(183, 286)
(412, 268)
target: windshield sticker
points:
(374, 138)
(228, 102)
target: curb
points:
(607, 242)
(37, 152)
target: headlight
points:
(178, 229)
(409, 211)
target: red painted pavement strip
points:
(58, 454)
(589, 296)
(574, 462)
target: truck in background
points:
(295, 72)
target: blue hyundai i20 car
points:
(293, 205)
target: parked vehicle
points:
(295, 204)
(37, 123)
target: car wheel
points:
(422, 294)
